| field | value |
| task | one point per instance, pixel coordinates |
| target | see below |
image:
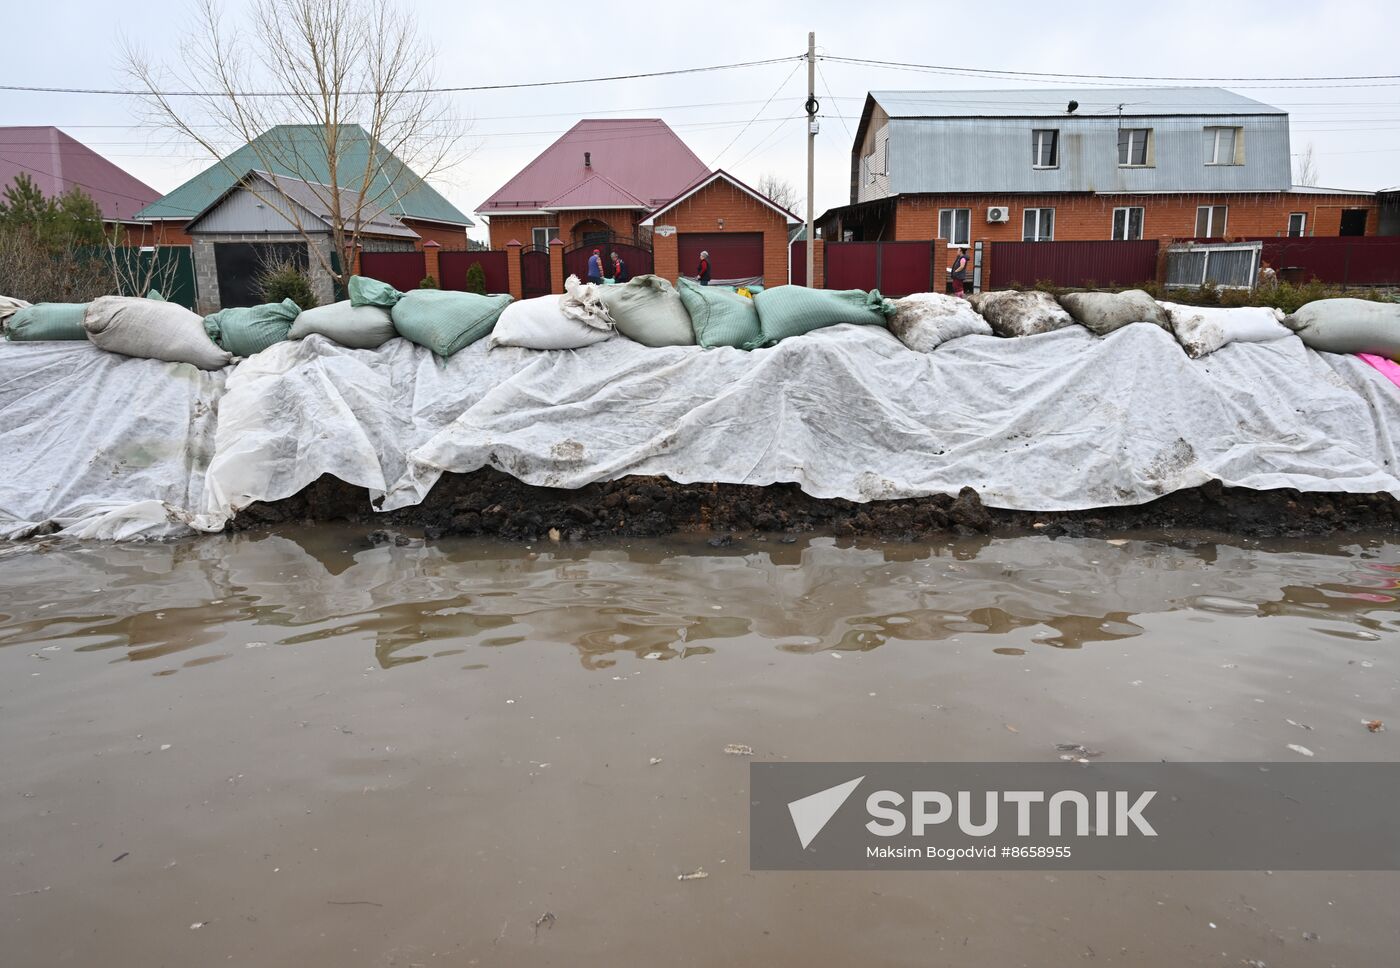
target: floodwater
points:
(295, 749)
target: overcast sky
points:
(1355, 129)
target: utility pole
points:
(811, 150)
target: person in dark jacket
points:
(957, 272)
(595, 267)
(619, 269)
(703, 272)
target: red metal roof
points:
(598, 191)
(57, 162)
(639, 157)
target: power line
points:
(407, 90)
(781, 84)
(1118, 77)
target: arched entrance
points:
(591, 231)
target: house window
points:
(1297, 224)
(954, 224)
(1127, 223)
(1045, 148)
(1223, 146)
(543, 235)
(1210, 221)
(1132, 147)
(1039, 225)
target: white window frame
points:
(1235, 147)
(1132, 140)
(1040, 218)
(953, 241)
(550, 232)
(1302, 218)
(1127, 235)
(1210, 232)
(1038, 137)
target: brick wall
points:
(447, 236)
(741, 212)
(1090, 217)
(520, 227)
(156, 233)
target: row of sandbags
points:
(925, 320)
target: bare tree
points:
(325, 66)
(779, 190)
(1306, 173)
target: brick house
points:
(963, 167)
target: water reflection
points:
(664, 601)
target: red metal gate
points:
(733, 255)
(453, 267)
(636, 258)
(1071, 263)
(402, 270)
(534, 273)
(894, 268)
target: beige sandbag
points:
(1103, 312)
(1013, 313)
(1349, 326)
(152, 330)
(926, 320)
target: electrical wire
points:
(1119, 77)
(781, 84)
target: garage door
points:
(733, 255)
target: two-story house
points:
(962, 167)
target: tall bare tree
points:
(779, 190)
(324, 65)
(1306, 173)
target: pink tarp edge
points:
(1388, 368)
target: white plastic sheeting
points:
(1063, 420)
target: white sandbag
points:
(1012, 313)
(925, 320)
(542, 324)
(1349, 326)
(583, 301)
(8, 307)
(1103, 312)
(1201, 330)
(150, 329)
(358, 327)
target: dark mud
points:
(490, 503)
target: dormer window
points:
(1045, 148)
(1224, 145)
(1134, 147)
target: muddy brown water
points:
(296, 749)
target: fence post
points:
(556, 266)
(818, 280)
(513, 269)
(430, 260)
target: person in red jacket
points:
(703, 272)
(619, 269)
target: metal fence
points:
(894, 268)
(1227, 265)
(453, 266)
(1086, 264)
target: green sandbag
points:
(446, 321)
(155, 294)
(251, 329)
(371, 292)
(720, 318)
(648, 309)
(47, 321)
(785, 311)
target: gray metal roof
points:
(310, 197)
(1040, 102)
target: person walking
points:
(703, 272)
(957, 273)
(595, 267)
(619, 269)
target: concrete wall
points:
(206, 273)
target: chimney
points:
(588, 159)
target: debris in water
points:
(1010, 728)
(699, 874)
(1310, 936)
(1077, 752)
(554, 535)
(738, 749)
(545, 920)
(1300, 749)
(654, 760)
(1299, 725)
(1117, 542)
(1374, 725)
(125, 853)
(197, 925)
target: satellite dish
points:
(1073, 106)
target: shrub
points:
(286, 280)
(428, 283)
(476, 279)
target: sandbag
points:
(785, 311)
(583, 302)
(149, 329)
(9, 305)
(358, 327)
(445, 321)
(540, 324)
(1012, 313)
(648, 309)
(925, 320)
(1103, 312)
(47, 321)
(720, 318)
(1201, 330)
(364, 291)
(247, 330)
(1349, 326)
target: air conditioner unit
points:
(998, 213)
